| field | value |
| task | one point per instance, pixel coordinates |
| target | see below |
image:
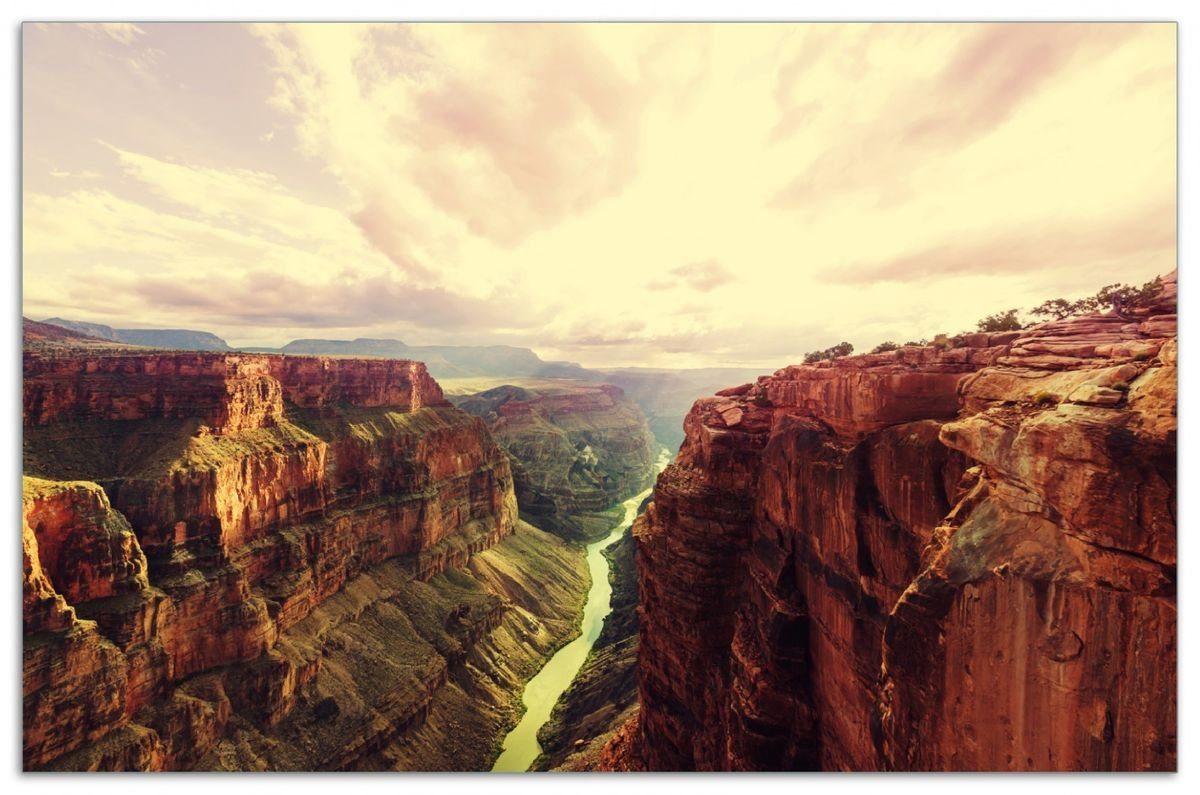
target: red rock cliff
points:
(189, 509)
(958, 559)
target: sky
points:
(676, 195)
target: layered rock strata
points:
(957, 558)
(189, 512)
(576, 450)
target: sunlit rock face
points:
(188, 511)
(576, 448)
(929, 559)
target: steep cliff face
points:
(576, 450)
(921, 560)
(188, 513)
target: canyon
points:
(958, 556)
(239, 561)
(663, 395)
(949, 557)
(576, 448)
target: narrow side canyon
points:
(577, 450)
(577, 447)
(954, 557)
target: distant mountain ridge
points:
(663, 395)
(180, 339)
(443, 361)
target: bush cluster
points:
(841, 349)
(1120, 297)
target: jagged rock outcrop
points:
(189, 511)
(928, 559)
(576, 449)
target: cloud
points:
(414, 121)
(989, 75)
(721, 345)
(237, 197)
(344, 303)
(123, 32)
(85, 174)
(1080, 245)
(233, 246)
(703, 276)
(992, 73)
(611, 194)
(389, 235)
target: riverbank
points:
(545, 694)
(520, 747)
(603, 695)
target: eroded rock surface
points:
(208, 538)
(928, 559)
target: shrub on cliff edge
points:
(841, 349)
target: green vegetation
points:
(885, 347)
(99, 450)
(1001, 321)
(104, 449)
(1118, 296)
(841, 349)
(1045, 399)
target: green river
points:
(521, 746)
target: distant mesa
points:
(39, 332)
(80, 328)
(487, 404)
(177, 339)
(576, 447)
(48, 337)
(664, 395)
(363, 346)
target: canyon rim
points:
(597, 397)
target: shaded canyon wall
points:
(242, 561)
(955, 558)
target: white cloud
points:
(123, 32)
(608, 193)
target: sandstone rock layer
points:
(186, 513)
(957, 558)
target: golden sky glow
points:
(664, 195)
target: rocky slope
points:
(929, 559)
(241, 561)
(576, 450)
